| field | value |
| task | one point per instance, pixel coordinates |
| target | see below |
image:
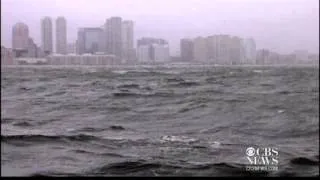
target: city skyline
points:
(115, 37)
(294, 27)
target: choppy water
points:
(157, 121)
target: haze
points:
(279, 25)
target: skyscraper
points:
(262, 56)
(153, 50)
(186, 49)
(143, 53)
(20, 39)
(223, 49)
(80, 41)
(61, 35)
(20, 36)
(32, 49)
(235, 51)
(114, 36)
(250, 50)
(127, 40)
(200, 49)
(6, 56)
(46, 35)
(90, 40)
(160, 52)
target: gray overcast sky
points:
(279, 25)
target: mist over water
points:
(156, 121)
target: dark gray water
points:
(157, 121)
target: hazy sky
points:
(279, 25)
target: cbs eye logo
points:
(250, 151)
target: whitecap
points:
(215, 144)
(258, 71)
(170, 72)
(177, 139)
(70, 129)
(120, 72)
(204, 130)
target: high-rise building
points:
(6, 56)
(262, 56)
(93, 40)
(143, 53)
(46, 35)
(250, 50)
(90, 40)
(127, 34)
(40, 53)
(32, 49)
(61, 35)
(132, 55)
(224, 42)
(153, 50)
(127, 40)
(200, 49)
(160, 52)
(236, 52)
(214, 49)
(211, 48)
(20, 36)
(186, 49)
(113, 36)
(80, 41)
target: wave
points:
(47, 138)
(92, 129)
(143, 167)
(259, 71)
(177, 81)
(183, 139)
(143, 70)
(114, 127)
(7, 120)
(24, 88)
(174, 80)
(267, 85)
(185, 84)
(186, 109)
(132, 94)
(127, 94)
(80, 151)
(120, 72)
(146, 168)
(49, 173)
(126, 167)
(128, 86)
(140, 72)
(57, 93)
(140, 167)
(304, 161)
(23, 124)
